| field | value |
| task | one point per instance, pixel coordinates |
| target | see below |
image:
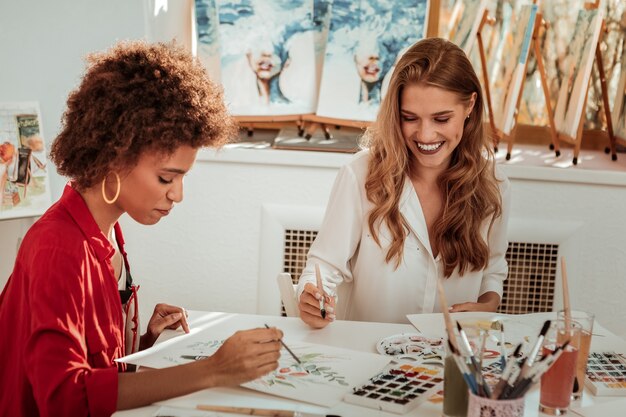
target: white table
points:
(361, 336)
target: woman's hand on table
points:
(164, 317)
(245, 356)
(489, 301)
(309, 307)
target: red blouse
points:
(61, 322)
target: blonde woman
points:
(424, 203)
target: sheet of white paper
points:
(325, 375)
(609, 408)
(517, 328)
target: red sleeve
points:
(56, 356)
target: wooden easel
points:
(483, 60)
(324, 123)
(576, 141)
(536, 48)
(434, 9)
(251, 122)
(498, 135)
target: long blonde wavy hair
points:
(469, 186)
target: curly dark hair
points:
(133, 98)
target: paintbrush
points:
(247, 411)
(446, 316)
(258, 411)
(287, 347)
(320, 288)
(460, 363)
(506, 373)
(530, 359)
(567, 312)
(502, 348)
(477, 369)
(538, 370)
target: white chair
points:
(288, 294)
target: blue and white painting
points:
(207, 35)
(322, 11)
(365, 40)
(267, 52)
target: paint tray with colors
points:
(399, 388)
(412, 347)
(606, 374)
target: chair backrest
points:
(288, 294)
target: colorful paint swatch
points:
(399, 388)
(606, 374)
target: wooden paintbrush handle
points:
(247, 411)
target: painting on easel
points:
(619, 106)
(560, 16)
(508, 76)
(464, 31)
(267, 53)
(570, 103)
(366, 38)
(24, 183)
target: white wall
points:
(42, 46)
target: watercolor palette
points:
(606, 374)
(399, 388)
(412, 347)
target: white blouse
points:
(370, 289)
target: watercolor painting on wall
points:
(266, 50)
(365, 40)
(323, 377)
(267, 55)
(207, 37)
(24, 183)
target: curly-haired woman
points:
(130, 133)
(423, 204)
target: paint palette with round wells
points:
(412, 347)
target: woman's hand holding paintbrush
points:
(317, 308)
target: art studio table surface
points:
(360, 336)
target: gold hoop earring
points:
(117, 193)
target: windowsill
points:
(528, 162)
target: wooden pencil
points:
(247, 411)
